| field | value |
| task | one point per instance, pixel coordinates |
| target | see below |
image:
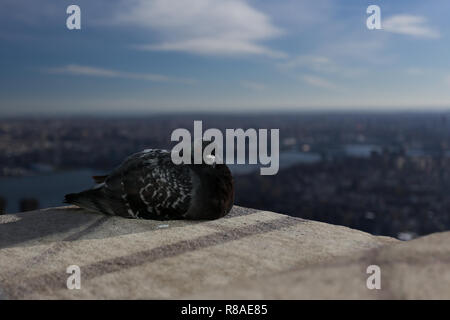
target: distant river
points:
(50, 188)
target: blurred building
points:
(2, 205)
(28, 204)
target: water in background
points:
(49, 189)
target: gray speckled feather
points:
(148, 185)
(151, 186)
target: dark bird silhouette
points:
(148, 185)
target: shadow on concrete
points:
(27, 226)
(71, 223)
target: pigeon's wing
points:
(151, 186)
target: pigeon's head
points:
(207, 150)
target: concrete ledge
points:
(249, 254)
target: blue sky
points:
(223, 55)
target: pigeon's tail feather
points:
(94, 200)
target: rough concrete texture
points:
(249, 254)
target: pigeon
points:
(148, 185)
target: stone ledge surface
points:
(249, 254)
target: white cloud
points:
(78, 70)
(210, 46)
(313, 62)
(211, 27)
(318, 82)
(300, 14)
(417, 71)
(322, 65)
(355, 46)
(256, 86)
(410, 25)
